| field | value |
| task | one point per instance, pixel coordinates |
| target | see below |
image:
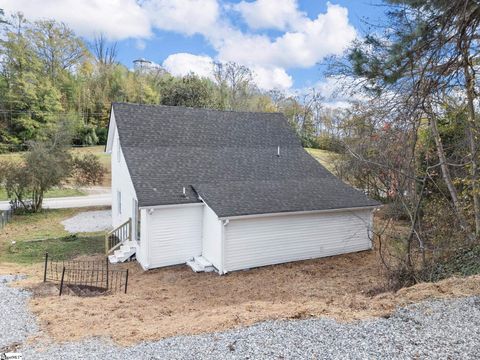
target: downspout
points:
(222, 255)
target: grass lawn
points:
(34, 234)
(324, 157)
(57, 192)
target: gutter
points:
(372, 207)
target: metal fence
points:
(5, 217)
(93, 276)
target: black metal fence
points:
(85, 277)
(5, 217)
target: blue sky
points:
(282, 41)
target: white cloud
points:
(181, 64)
(341, 88)
(116, 19)
(185, 16)
(270, 14)
(272, 78)
(328, 34)
(303, 43)
(140, 44)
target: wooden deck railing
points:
(115, 238)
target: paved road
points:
(104, 199)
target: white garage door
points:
(262, 241)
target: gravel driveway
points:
(448, 329)
(89, 221)
(16, 323)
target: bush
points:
(329, 143)
(88, 170)
(86, 136)
(102, 134)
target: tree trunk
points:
(472, 139)
(447, 177)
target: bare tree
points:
(105, 55)
(234, 81)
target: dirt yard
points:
(175, 301)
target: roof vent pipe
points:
(278, 151)
(184, 193)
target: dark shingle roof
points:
(261, 196)
(229, 158)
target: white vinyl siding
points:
(212, 238)
(119, 202)
(174, 234)
(122, 186)
(142, 246)
(260, 241)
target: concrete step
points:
(195, 266)
(124, 253)
(200, 264)
(202, 261)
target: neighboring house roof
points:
(228, 158)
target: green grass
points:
(56, 192)
(27, 237)
(324, 157)
(68, 247)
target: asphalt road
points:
(71, 202)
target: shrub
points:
(86, 136)
(329, 142)
(88, 170)
(102, 134)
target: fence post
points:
(61, 283)
(126, 282)
(107, 272)
(106, 244)
(45, 270)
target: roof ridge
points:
(198, 108)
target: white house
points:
(224, 191)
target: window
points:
(119, 202)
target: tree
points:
(431, 52)
(234, 82)
(57, 46)
(410, 144)
(45, 165)
(189, 90)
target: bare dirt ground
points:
(175, 301)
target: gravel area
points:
(89, 221)
(16, 323)
(448, 329)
